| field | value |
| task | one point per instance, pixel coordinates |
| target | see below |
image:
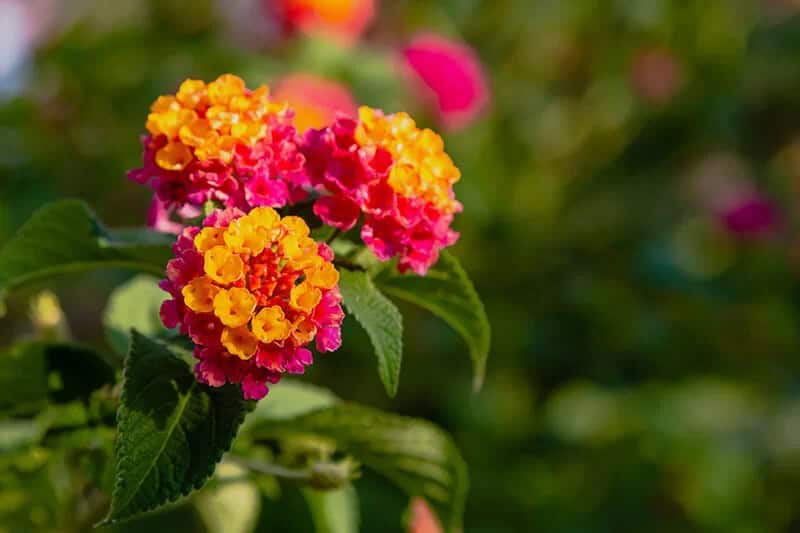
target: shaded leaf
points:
(34, 373)
(172, 430)
(134, 305)
(414, 454)
(447, 292)
(66, 237)
(380, 319)
(334, 511)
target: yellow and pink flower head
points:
(393, 174)
(221, 141)
(252, 291)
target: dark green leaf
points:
(381, 320)
(334, 511)
(447, 292)
(34, 373)
(134, 305)
(66, 237)
(414, 454)
(172, 431)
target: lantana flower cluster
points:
(394, 174)
(221, 142)
(250, 287)
(251, 291)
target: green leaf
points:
(232, 505)
(134, 305)
(414, 454)
(381, 320)
(172, 430)
(35, 373)
(66, 237)
(334, 511)
(289, 399)
(447, 292)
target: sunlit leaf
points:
(134, 305)
(414, 454)
(381, 320)
(66, 237)
(447, 292)
(232, 505)
(334, 511)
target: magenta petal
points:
(337, 211)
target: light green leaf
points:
(414, 454)
(172, 431)
(66, 237)
(134, 305)
(334, 511)
(447, 292)
(231, 506)
(381, 320)
(19, 433)
(289, 399)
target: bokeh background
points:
(630, 183)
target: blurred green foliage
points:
(644, 365)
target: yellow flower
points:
(208, 238)
(239, 341)
(324, 276)
(303, 331)
(305, 297)
(421, 167)
(221, 90)
(192, 93)
(248, 131)
(199, 294)
(296, 226)
(234, 307)
(264, 216)
(270, 325)
(244, 236)
(301, 252)
(174, 156)
(222, 265)
(198, 133)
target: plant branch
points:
(271, 469)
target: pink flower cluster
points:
(395, 175)
(250, 305)
(270, 173)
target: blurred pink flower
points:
(422, 519)
(315, 100)
(721, 185)
(751, 217)
(450, 75)
(345, 20)
(656, 75)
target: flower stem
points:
(336, 233)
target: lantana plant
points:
(262, 239)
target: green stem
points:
(336, 233)
(271, 469)
(349, 265)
